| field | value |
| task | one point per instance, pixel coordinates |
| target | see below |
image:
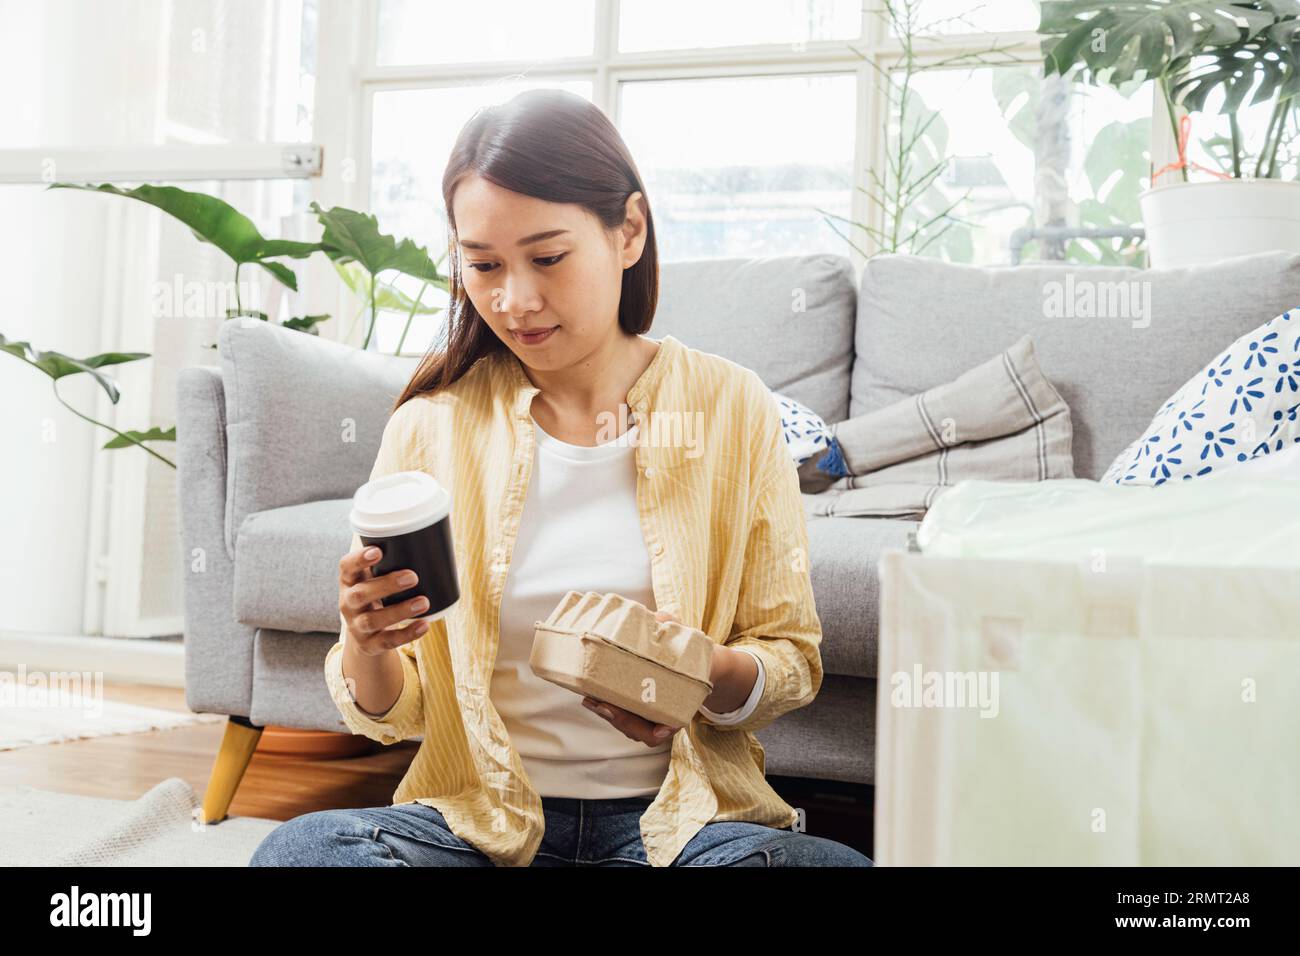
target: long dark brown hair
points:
(553, 145)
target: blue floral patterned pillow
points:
(1242, 405)
(807, 434)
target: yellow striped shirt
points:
(718, 495)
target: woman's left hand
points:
(637, 727)
(633, 725)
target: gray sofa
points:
(273, 443)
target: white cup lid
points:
(399, 503)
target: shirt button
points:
(649, 472)
(658, 549)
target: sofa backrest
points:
(304, 416)
(789, 318)
(922, 322)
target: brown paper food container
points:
(605, 646)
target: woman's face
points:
(529, 264)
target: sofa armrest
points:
(218, 649)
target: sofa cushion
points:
(808, 437)
(845, 553)
(922, 322)
(831, 739)
(304, 416)
(287, 566)
(1000, 420)
(1242, 405)
(789, 318)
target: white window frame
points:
(350, 77)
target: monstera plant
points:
(1248, 51)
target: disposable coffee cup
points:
(407, 516)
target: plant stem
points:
(1236, 145)
(1269, 137)
(1284, 108)
(414, 305)
(374, 280)
(239, 306)
(1172, 111)
(165, 461)
(909, 61)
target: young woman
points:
(581, 455)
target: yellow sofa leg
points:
(237, 746)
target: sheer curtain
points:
(89, 274)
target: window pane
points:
(1025, 153)
(408, 156)
(417, 31)
(721, 184)
(960, 16)
(689, 24)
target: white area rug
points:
(30, 721)
(45, 828)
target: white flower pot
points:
(1189, 224)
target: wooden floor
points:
(275, 787)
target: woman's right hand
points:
(366, 617)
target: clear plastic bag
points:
(1232, 521)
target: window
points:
(1037, 170)
(969, 16)
(724, 185)
(417, 31)
(771, 148)
(688, 24)
(759, 125)
(408, 159)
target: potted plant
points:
(1249, 50)
(351, 240)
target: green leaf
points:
(1123, 148)
(215, 221)
(305, 323)
(301, 323)
(387, 296)
(153, 434)
(283, 273)
(351, 236)
(1008, 86)
(1248, 49)
(57, 365)
(1156, 37)
(1267, 64)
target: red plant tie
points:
(1184, 134)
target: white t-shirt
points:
(580, 530)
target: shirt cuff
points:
(747, 708)
(388, 727)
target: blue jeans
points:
(578, 833)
